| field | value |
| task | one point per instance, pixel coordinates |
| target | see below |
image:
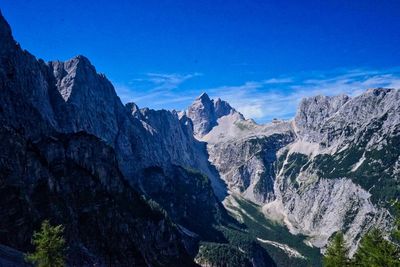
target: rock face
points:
(313, 112)
(74, 180)
(247, 165)
(89, 100)
(333, 167)
(204, 113)
(172, 142)
(147, 137)
(73, 153)
(349, 175)
(244, 152)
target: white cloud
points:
(154, 88)
(168, 81)
(261, 100)
(265, 100)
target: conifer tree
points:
(336, 253)
(376, 251)
(49, 246)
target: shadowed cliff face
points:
(74, 180)
(82, 181)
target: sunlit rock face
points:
(205, 112)
(335, 166)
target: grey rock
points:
(204, 113)
(333, 167)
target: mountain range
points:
(205, 186)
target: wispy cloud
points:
(262, 99)
(168, 81)
(153, 87)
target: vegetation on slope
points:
(256, 227)
(374, 250)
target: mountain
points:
(206, 186)
(61, 160)
(127, 183)
(205, 112)
(333, 167)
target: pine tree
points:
(396, 229)
(49, 246)
(336, 253)
(375, 251)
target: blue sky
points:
(261, 56)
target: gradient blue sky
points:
(261, 56)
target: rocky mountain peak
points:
(134, 110)
(72, 72)
(204, 112)
(323, 118)
(7, 43)
(79, 64)
(85, 96)
(204, 97)
(222, 108)
(132, 107)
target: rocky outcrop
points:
(341, 174)
(313, 112)
(147, 137)
(318, 207)
(205, 112)
(247, 165)
(335, 121)
(89, 102)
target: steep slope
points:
(348, 177)
(74, 180)
(72, 152)
(44, 107)
(246, 162)
(334, 167)
(170, 141)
